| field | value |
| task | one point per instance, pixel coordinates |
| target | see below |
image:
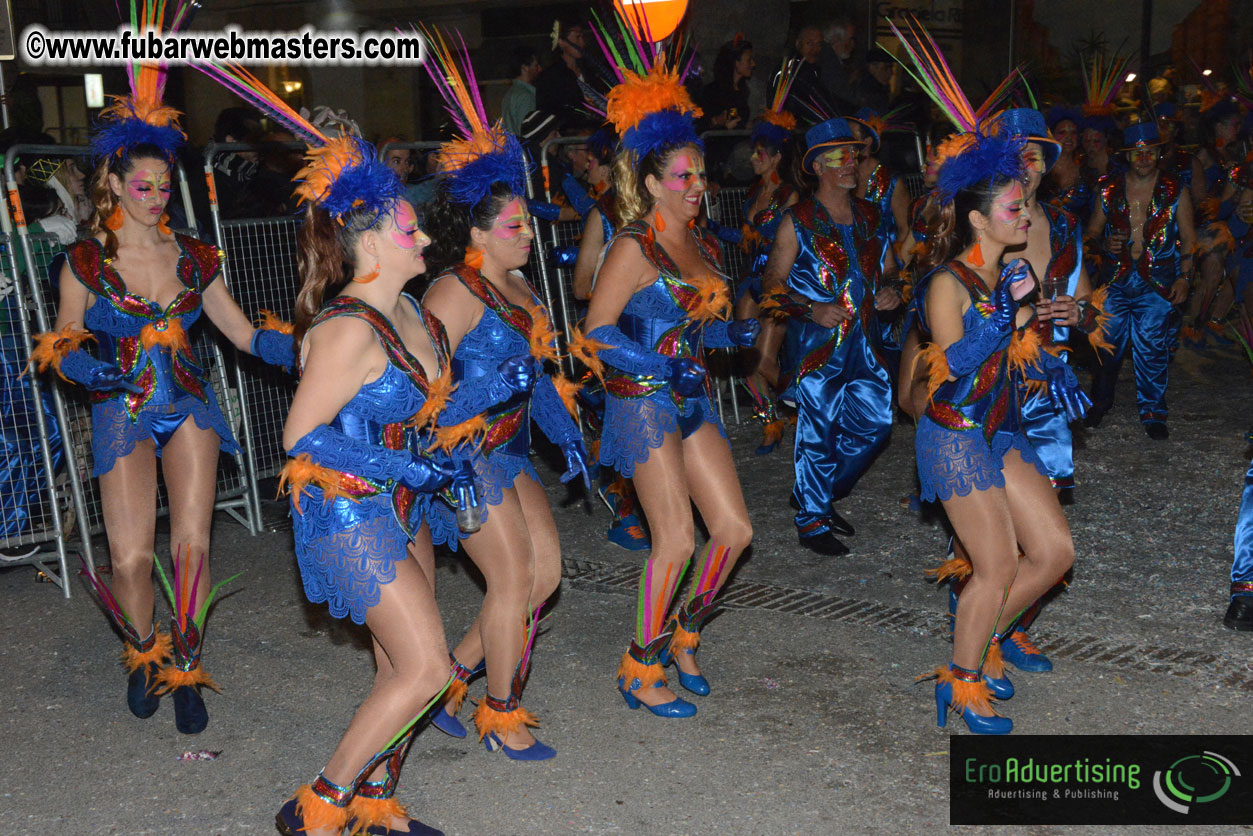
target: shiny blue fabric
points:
(1050, 437)
(842, 391)
(1242, 566)
(766, 224)
(1139, 317)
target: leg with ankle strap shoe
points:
(497, 720)
(143, 658)
(691, 617)
(445, 717)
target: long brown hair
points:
(632, 199)
(949, 232)
(324, 254)
(103, 200)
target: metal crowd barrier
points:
(71, 512)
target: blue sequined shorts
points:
(954, 462)
(114, 435)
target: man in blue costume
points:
(823, 274)
(1240, 611)
(1144, 217)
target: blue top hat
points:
(825, 136)
(1029, 124)
(866, 117)
(1140, 135)
(1063, 113)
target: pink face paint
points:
(681, 172)
(513, 220)
(146, 185)
(406, 226)
(1008, 207)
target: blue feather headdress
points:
(973, 158)
(342, 174)
(141, 118)
(482, 154)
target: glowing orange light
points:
(660, 17)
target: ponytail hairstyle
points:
(325, 252)
(448, 223)
(104, 202)
(949, 232)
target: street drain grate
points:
(1138, 658)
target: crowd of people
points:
(411, 422)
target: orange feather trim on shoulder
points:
(489, 720)
(374, 815)
(172, 336)
(52, 346)
(542, 337)
(301, 472)
(437, 393)
(1024, 350)
(648, 675)
(161, 652)
(171, 678)
(640, 96)
(316, 813)
(270, 321)
(955, 568)
(568, 389)
(713, 300)
(937, 367)
(470, 431)
(750, 238)
(585, 349)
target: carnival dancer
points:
(138, 289)
(823, 277)
(502, 336)
(972, 454)
(776, 164)
(1144, 218)
(660, 299)
(1239, 615)
(1064, 185)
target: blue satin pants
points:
(1242, 567)
(844, 417)
(1139, 318)
(1049, 434)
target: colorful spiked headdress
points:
(342, 174)
(776, 125)
(1101, 83)
(649, 107)
(142, 118)
(980, 151)
(482, 153)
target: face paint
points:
(1008, 207)
(1033, 159)
(837, 157)
(681, 172)
(406, 234)
(145, 185)
(512, 221)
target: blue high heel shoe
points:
(537, 751)
(972, 694)
(1001, 687)
(443, 719)
(693, 682)
(644, 663)
(678, 707)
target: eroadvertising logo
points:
(1102, 780)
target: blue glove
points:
(1015, 272)
(685, 376)
(544, 211)
(992, 334)
(627, 355)
(576, 461)
(720, 334)
(726, 233)
(580, 200)
(565, 256)
(1064, 390)
(332, 448)
(93, 374)
(743, 332)
(518, 373)
(274, 347)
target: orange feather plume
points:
(973, 695)
(585, 349)
(937, 367)
(1096, 339)
(542, 337)
(648, 675)
(640, 96)
(1024, 350)
(162, 650)
(780, 118)
(172, 336)
(955, 568)
(52, 346)
(374, 815)
(300, 472)
(501, 723)
(437, 394)
(323, 165)
(318, 814)
(171, 678)
(270, 321)
(470, 431)
(567, 389)
(713, 300)
(684, 639)
(993, 662)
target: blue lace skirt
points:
(347, 550)
(497, 473)
(636, 426)
(952, 462)
(114, 435)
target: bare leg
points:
(128, 498)
(189, 463)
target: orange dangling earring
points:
(115, 219)
(368, 277)
(774, 177)
(163, 225)
(659, 222)
(976, 255)
(474, 258)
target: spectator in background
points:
(423, 191)
(278, 166)
(72, 181)
(45, 213)
(520, 98)
(725, 99)
(557, 88)
(874, 88)
(234, 171)
(837, 70)
(808, 86)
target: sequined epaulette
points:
(393, 346)
(202, 265)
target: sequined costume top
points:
(835, 263)
(764, 224)
(1061, 276)
(880, 187)
(347, 545)
(1158, 263)
(151, 347)
(641, 409)
(503, 331)
(1075, 198)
